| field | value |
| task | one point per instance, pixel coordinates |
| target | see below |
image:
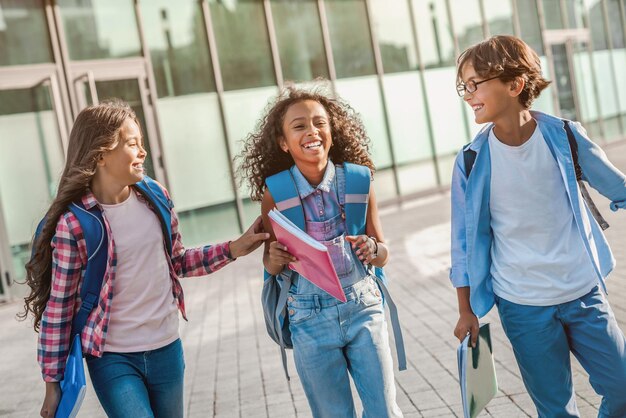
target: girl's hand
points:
(51, 400)
(468, 322)
(279, 255)
(366, 247)
(249, 241)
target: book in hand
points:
(477, 373)
(73, 385)
(313, 261)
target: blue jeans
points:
(542, 338)
(138, 385)
(331, 339)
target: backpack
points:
(469, 157)
(275, 291)
(96, 240)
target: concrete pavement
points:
(233, 369)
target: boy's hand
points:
(468, 322)
(51, 400)
(249, 241)
(279, 255)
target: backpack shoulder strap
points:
(357, 189)
(153, 192)
(283, 188)
(96, 240)
(469, 157)
(573, 146)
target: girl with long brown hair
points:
(131, 343)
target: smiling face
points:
(306, 134)
(124, 163)
(492, 99)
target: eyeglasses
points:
(471, 86)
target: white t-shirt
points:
(538, 256)
(144, 315)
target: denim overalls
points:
(331, 338)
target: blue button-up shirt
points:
(471, 220)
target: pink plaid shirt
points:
(69, 259)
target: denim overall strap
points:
(357, 184)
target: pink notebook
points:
(314, 262)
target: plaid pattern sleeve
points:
(56, 322)
(196, 261)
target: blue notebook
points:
(73, 385)
(477, 373)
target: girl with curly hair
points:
(312, 135)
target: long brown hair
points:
(262, 156)
(95, 132)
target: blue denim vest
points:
(325, 221)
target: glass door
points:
(574, 77)
(127, 81)
(32, 134)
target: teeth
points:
(477, 107)
(312, 144)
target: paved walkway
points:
(234, 369)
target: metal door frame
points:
(27, 77)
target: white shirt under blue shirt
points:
(538, 256)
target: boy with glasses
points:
(524, 236)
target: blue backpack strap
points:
(356, 196)
(357, 186)
(283, 188)
(96, 240)
(153, 193)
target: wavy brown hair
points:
(262, 156)
(509, 58)
(95, 132)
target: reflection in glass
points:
(242, 44)
(434, 33)
(350, 38)
(467, 22)
(100, 29)
(616, 29)
(529, 25)
(552, 14)
(299, 38)
(30, 150)
(393, 32)
(583, 77)
(23, 33)
(192, 134)
(499, 15)
(597, 26)
(176, 37)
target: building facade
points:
(200, 72)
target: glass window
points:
(100, 29)
(528, 15)
(434, 33)
(242, 44)
(23, 33)
(616, 30)
(299, 38)
(350, 38)
(499, 15)
(194, 148)
(392, 26)
(597, 26)
(552, 14)
(30, 150)
(176, 37)
(467, 22)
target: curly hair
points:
(95, 132)
(507, 57)
(262, 157)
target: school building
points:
(200, 72)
